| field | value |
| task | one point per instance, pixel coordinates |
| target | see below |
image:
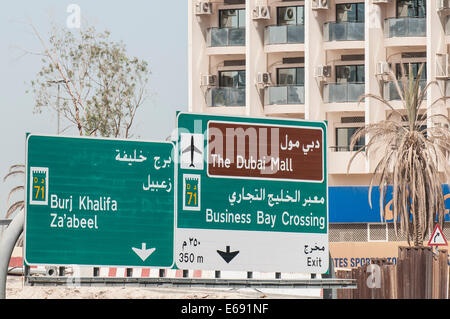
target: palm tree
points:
(15, 170)
(410, 156)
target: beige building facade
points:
(312, 60)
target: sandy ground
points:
(15, 289)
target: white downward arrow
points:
(143, 253)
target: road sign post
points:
(252, 194)
(99, 202)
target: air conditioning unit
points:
(263, 78)
(383, 68)
(320, 4)
(323, 71)
(203, 7)
(442, 66)
(261, 13)
(209, 80)
(443, 5)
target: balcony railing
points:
(225, 96)
(343, 31)
(405, 27)
(390, 92)
(281, 95)
(284, 34)
(223, 37)
(342, 92)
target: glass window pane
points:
(291, 76)
(360, 12)
(341, 13)
(352, 74)
(349, 73)
(342, 73)
(287, 76)
(232, 18)
(350, 12)
(287, 15)
(300, 15)
(360, 76)
(421, 8)
(225, 79)
(411, 8)
(300, 76)
(343, 138)
(403, 7)
(415, 69)
(241, 18)
(232, 78)
(228, 19)
(241, 78)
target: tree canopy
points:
(413, 157)
(91, 80)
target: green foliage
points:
(100, 86)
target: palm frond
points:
(12, 167)
(12, 173)
(408, 158)
(14, 190)
(17, 205)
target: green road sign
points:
(99, 202)
(252, 194)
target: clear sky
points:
(155, 31)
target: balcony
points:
(390, 92)
(343, 31)
(405, 27)
(225, 96)
(225, 37)
(284, 34)
(339, 160)
(284, 99)
(342, 92)
(337, 34)
(221, 41)
(284, 38)
(284, 95)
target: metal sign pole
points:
(7, 244)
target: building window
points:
(235, 79)
(291, 76)
(350, 73)
(415, 69)
(343, 137)
(411, 8)
(232, 18)
(290, 15)
(350, 12)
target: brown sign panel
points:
(265, 151)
